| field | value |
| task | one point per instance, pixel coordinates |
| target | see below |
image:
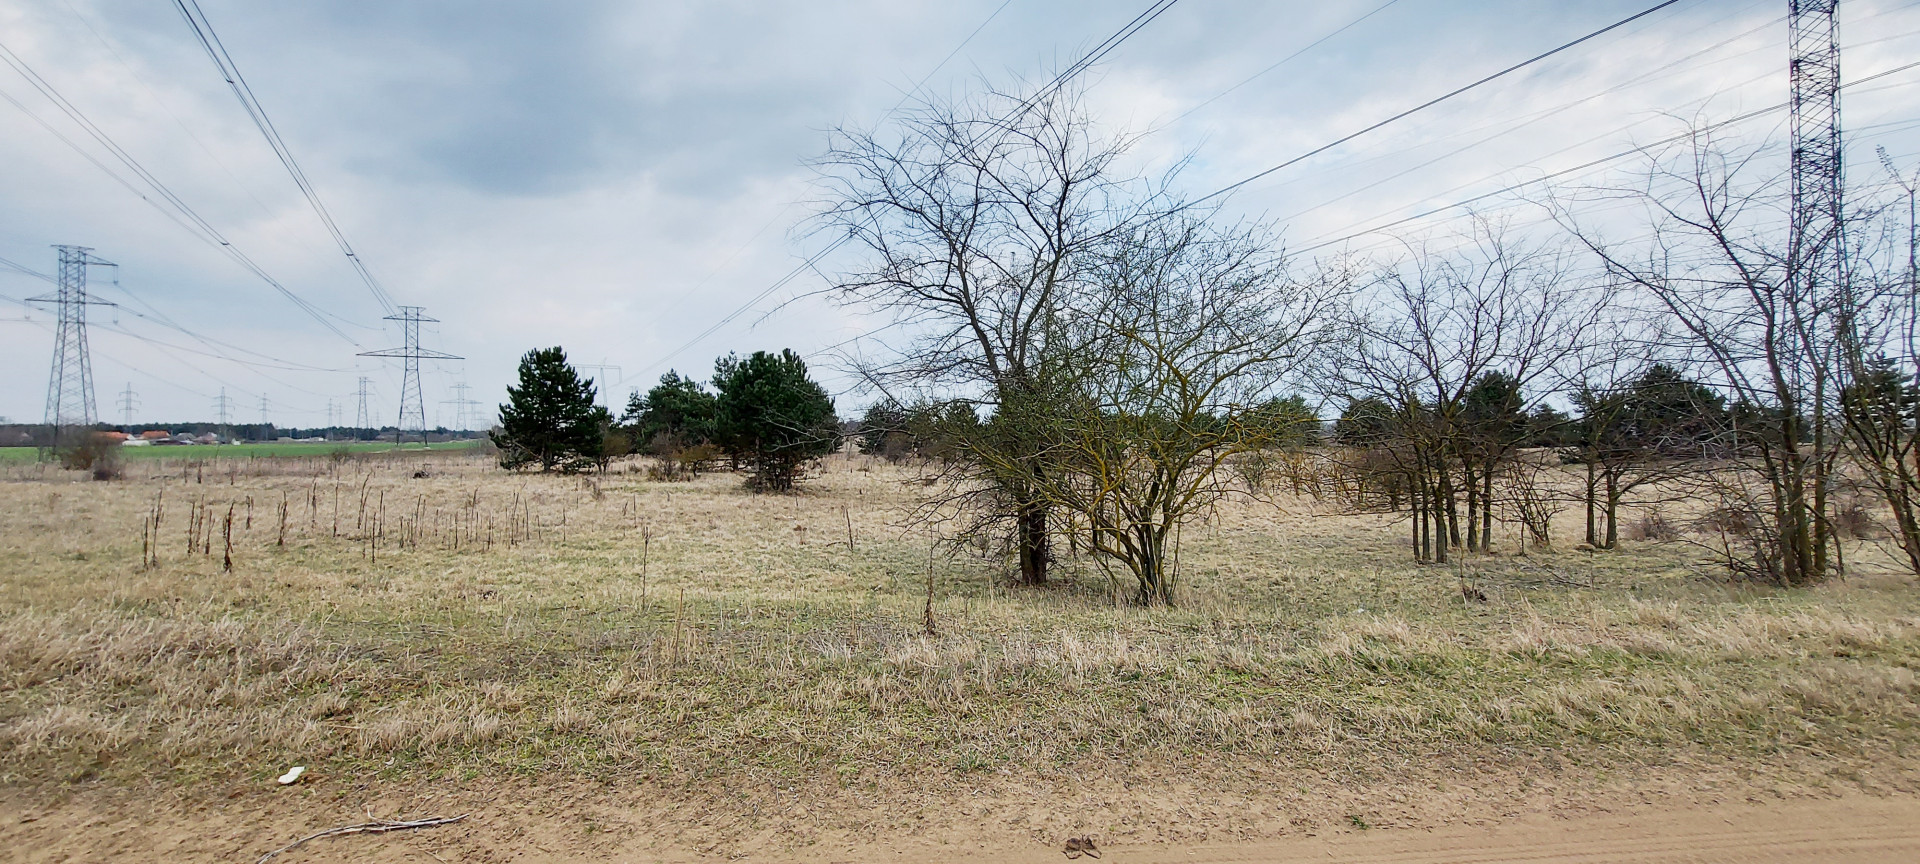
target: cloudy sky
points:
(618, 177)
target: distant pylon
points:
(70, 386)
(223, 407)
(606, 386)
(463, 412)
(1814, 243)
(264, 421)
(128, 402)
(360, 417)
(413, 408)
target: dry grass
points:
(542, 626)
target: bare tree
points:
(1181, 346)
(1658, 426)
(1881, 405)
(978, 218)
(1434, 329)
(1721, 262)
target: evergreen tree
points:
(674, 414)
(1289, 423)
(550, 419)
(1366, 422)
(771, 416)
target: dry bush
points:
(97, 453)
(1653, 525)
(1853, 520)
(1731, 520)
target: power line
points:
(194, 223)
(216, 51)
(1535, 118)
(70, 385)
(412, 404)
(1439, 99)
(1583, 166)
(917, 86)
(1284, 60)
(128, 402)
(163, 320)
(1100, 51)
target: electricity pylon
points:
(128, 402)
(413, 409)
(462, 407)
(224, 408)
(1814, 244)
(70, 386)
(606, 387)
(360, 418)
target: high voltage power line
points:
(1284, 60)
(217, 52)
(160, 318)
(194, 223)
(1544, 114)
(1437, 100)
(1593, 163)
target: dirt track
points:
(1849, 830)
(1853, 829)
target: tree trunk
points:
(1613, 509)
(1593, 491)
(1486, 508)
(1472, 481)
(1032, 543)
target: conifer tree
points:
(550, 419)
(771, 416)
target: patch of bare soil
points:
(1682, 812)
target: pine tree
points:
(771, 416)
(675, 414)
(550, 419)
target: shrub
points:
(97, 452)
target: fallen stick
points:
(378, 826)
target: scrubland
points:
(466, 625)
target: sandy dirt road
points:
(1856, 829)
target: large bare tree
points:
(977, 219)
(1181, 344)
(1718, 257)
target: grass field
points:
(252, 450)
(429, 619)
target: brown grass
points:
(472, 621)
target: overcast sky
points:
(617, 177)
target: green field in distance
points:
(261, 449)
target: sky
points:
(617, 178)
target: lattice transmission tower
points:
(70, 402)
(1815, 245)
(463, 407)
(361, 417)
(128, 402)
(413, 407)
(603, 386)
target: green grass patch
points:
(253, 450)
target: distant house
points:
(156, 435)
